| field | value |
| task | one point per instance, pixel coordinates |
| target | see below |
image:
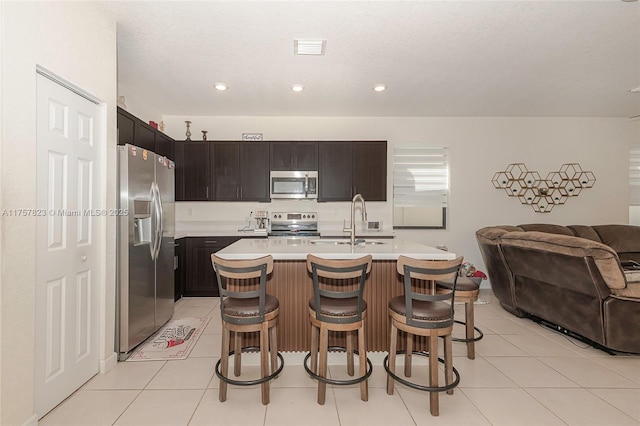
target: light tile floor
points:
(523, 374)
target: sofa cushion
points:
(604, 257)
(585, 231)
(621, 238)
(547, 227)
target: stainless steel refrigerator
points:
(145, 246)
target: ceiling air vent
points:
(309, 47)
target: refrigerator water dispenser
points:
(141, 222)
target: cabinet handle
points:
(207, 192)
(210, 242)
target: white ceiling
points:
(438, 58)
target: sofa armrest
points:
(631, 291)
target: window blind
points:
(420, 177)
(634, 176)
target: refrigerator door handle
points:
(160, 220)
(154, 224)
(155, 246)
(154, 215)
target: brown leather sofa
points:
(568, 276)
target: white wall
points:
(479, 147)
(76, 41)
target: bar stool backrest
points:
(419, 284)
(242, 279)
(334, 279)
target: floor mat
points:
(173, 341)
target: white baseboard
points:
(109, 363)
(31, 421)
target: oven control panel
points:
(294, 217)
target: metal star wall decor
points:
(543, 194)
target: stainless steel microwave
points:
(294, 185)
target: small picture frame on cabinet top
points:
(252, 137)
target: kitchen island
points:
(291, 283)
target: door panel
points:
(54, 344)
(83, 313)
(85, 181)
(68, 264)
(57, 200)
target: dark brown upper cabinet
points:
(289, 155)
(165, 146)
(226, 170)
(194, 177)
(335, 161)
(241, 171)
(126, 128)
(254, 171)
(370, 170)
(347, 168)
(145, 136)
(132, 130)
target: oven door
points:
(292, 185)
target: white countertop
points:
(298, 248)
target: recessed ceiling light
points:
(221, 86)
(297, 87)
(309, 47)
(380, 87)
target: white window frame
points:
(420, 187)
(634, 185)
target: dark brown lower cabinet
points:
(180, 267)
(200, 278)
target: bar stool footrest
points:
(474, 339)
(405, 382)
(250, 382)
(338, 382)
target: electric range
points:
(294, 224)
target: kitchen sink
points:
(359, 241)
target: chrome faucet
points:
(363, 207)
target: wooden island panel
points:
(292, 285)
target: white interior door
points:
(68, 264)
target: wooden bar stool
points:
(337, 305)
(467, 291)
(246, 307)
(423, 312)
